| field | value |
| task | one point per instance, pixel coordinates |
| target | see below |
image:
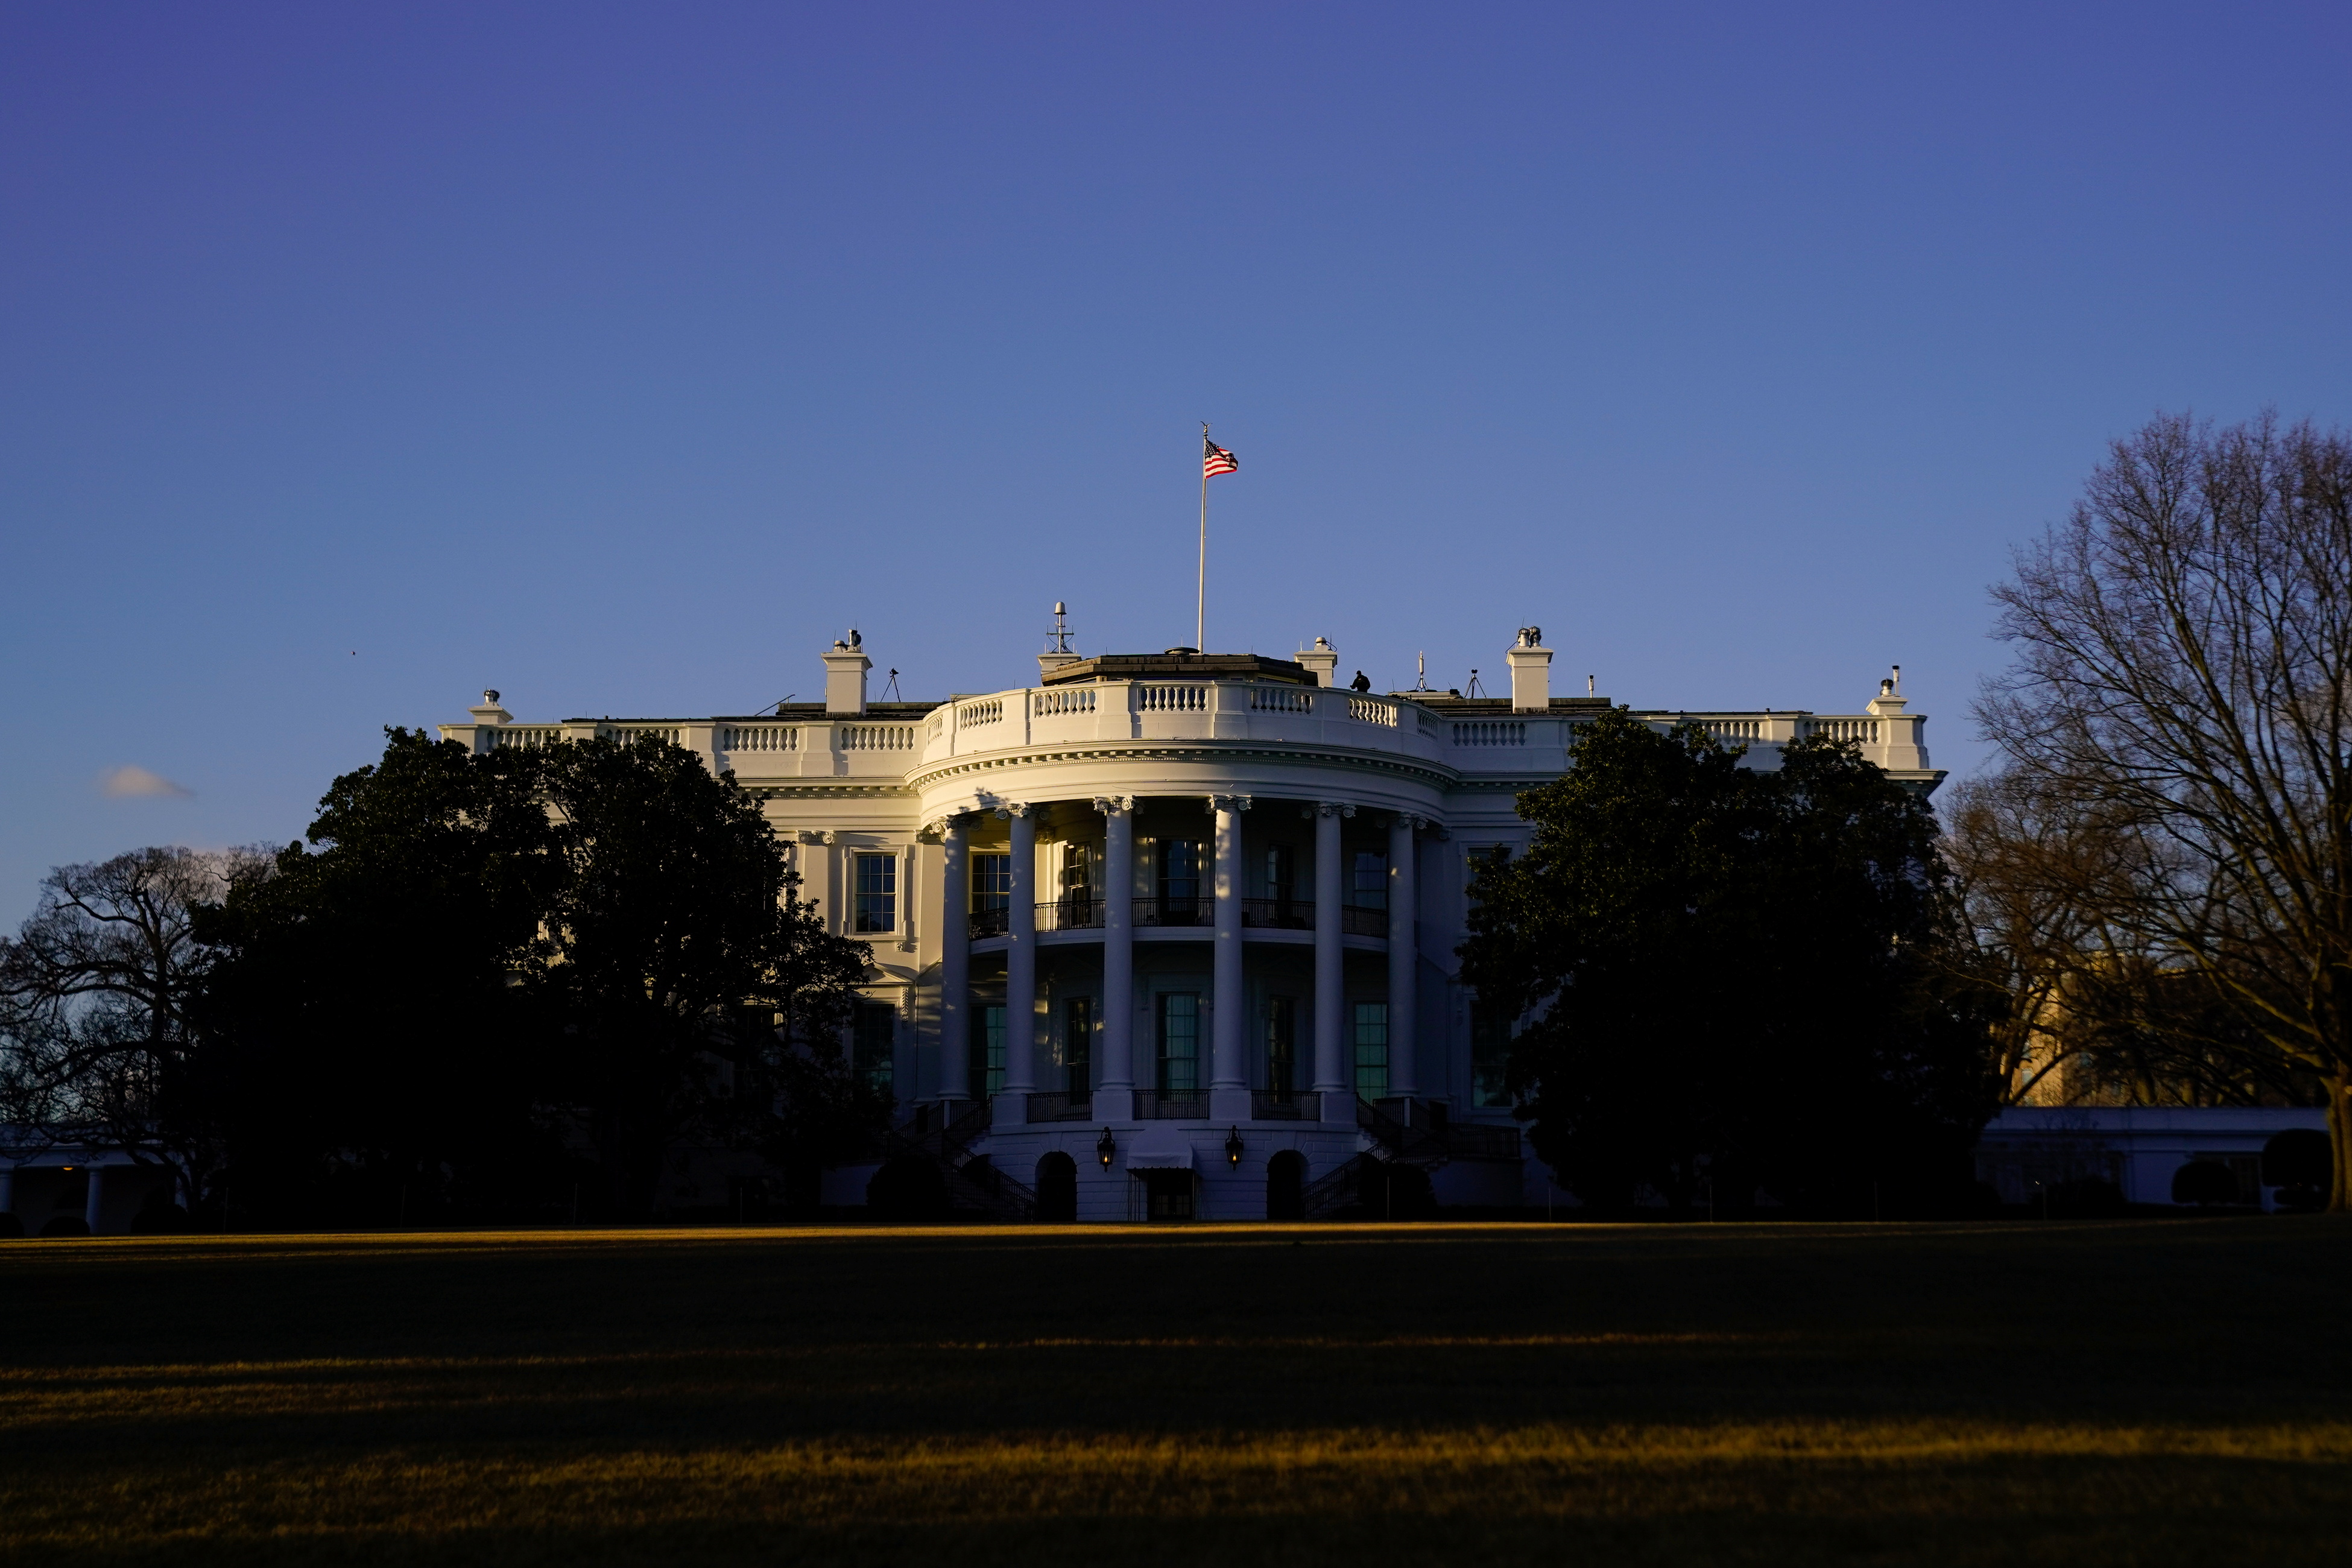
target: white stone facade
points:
(1186, 921)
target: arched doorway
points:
(1286, 1185)
(1057, 1189)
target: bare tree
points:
(2184, 670)
(94, 996)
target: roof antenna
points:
(890, 692)
(1474, 680)
(1587, 686)
(1421, 673)
(1061, 632)
(778, 703)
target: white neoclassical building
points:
(1173, 934)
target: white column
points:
(1020, 972)
(955, 960)
(96, 1204)
(1228, 1037)
(1115, 1091)
(1333, 1074)
(1403, 905)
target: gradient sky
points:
(355, 357)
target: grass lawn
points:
(2135, 1392)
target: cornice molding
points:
(1434, 773)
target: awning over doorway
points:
(1160, 1149)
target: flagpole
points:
(1200, 604)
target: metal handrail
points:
(1061, 1106)
(1199, 911)
(990, 923)
(1070, 912)
(1286, 1105)
(1279, 914)
(1151, 1105)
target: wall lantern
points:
(1234, 1146)
(1104, 1147)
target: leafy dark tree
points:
(368, 1043)
(699, 999)
(2184, 665)
(96, 991)
(1732, 980)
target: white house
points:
(1173, 934)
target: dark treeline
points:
(1791, 984)
(487, 987)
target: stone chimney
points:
(845, 677)
(1530, 664)
(1323, 659)
(1902, 737)
(488, 711)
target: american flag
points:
(1216, 459)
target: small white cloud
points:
(126, 783)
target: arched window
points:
(1057, 1189)
(1286, 1185)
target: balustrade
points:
(1154, 1107)
(1862, 731)
(1171, 698)
(1372, 710)
(877, 737)
(625, 734)
(1286, 1105)
(1199, 911)
(1067, 699)
(1071, 913)
(525, 737)
(760, 738)
(1279, 914)
(1491, 732)
(1281, 700)
(987, 712)
(1061, 1106)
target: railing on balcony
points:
(1491, 732)
(983, 712)
(1152, 1106)
(1357, 920)
(1171, 698)
(1862, 731)
(1064, 699)
(1279, 914)
(1372, 710)
(1170, 911)
(760, 738)
(625, 734)
(525, 737)
(1071, 913)
(990, 923)
(1281, 700)
(1286, 1105)
(1061, 1106)
(877, 737)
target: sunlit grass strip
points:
(1894, 1469)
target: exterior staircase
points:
(972, 1183)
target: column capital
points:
(1113, 805)
(813, 835)
(1227, 802)
(1006, 809)
(1332, 808)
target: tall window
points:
(1281, 877)
(1179, 880)
(874, 1032)
(1368, 888)
(1490, 1057)
(1180, 1043)
(992, 883)
(1372, 1049)
(1077, 885)
(877, 892)
(1078, 1043)
(988, 1049)
(1281, 1044)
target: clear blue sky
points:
(354, 357)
